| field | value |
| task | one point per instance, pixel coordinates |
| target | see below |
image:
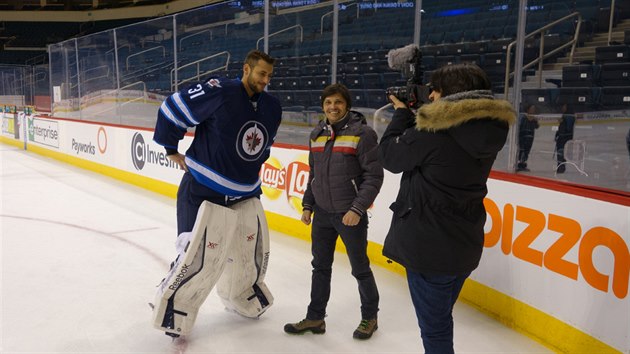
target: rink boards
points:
(555, 256)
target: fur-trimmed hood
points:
(476, 120)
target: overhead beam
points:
(104, 14)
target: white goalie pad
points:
(230, 241)
(241, 287)
(195, 270)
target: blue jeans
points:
(326, 228)
(433, 297)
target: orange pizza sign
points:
(572, 237)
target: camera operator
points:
(445, 153)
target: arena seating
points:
(303, 68)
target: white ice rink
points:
(81, 255)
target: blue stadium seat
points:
(453, 48)
(617, 97)
(286, 97)
(391, 78)
(353, 81)
(435, 38)
(470, 58)
(366, 56)
(376, 98)
(278, 71)
(473, 34)
(348, 57)
(499, 45)
(498, 21)
(583, 99)
(303, 98)
(580, 75)
(432, 49)
(428, 62)
(307, 60)
(444, 60)
(293, 83)
(509, 31)
(478, 47)
(544, 99)
(359, 98)
(453, 36)
(316, 96)
(311, 83)
(372, 81)
(279, 83)
(493, 60)
(615, 74)
(321, 81)
(324, 69)
(375, 67)
(351, 68)
(311, 70)
(612, 54)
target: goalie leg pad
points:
(242, 287)
(202, 256)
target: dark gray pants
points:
(326, 228)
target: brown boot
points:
(365, 329)
(315, 326)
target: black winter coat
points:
(445, 154)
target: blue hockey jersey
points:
(233, 134)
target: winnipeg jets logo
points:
(251, 140)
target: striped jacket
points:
(345, 173)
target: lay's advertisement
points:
(284, 177)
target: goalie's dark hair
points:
(254, 56)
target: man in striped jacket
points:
(345, 177)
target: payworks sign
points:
(43, 131)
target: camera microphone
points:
(399, 59)
(408, 60)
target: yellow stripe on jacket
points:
(345, 144)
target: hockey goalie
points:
(223, 236)
(233, 254)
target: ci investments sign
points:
(145, 154)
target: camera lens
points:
(400, 92)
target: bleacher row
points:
(301, 100)
(477, 38)
(299, 79)
(603, 85)
(302, 70)
(580, 99)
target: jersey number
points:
(196, 92)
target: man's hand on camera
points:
(396, 102)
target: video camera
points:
(408, 60)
